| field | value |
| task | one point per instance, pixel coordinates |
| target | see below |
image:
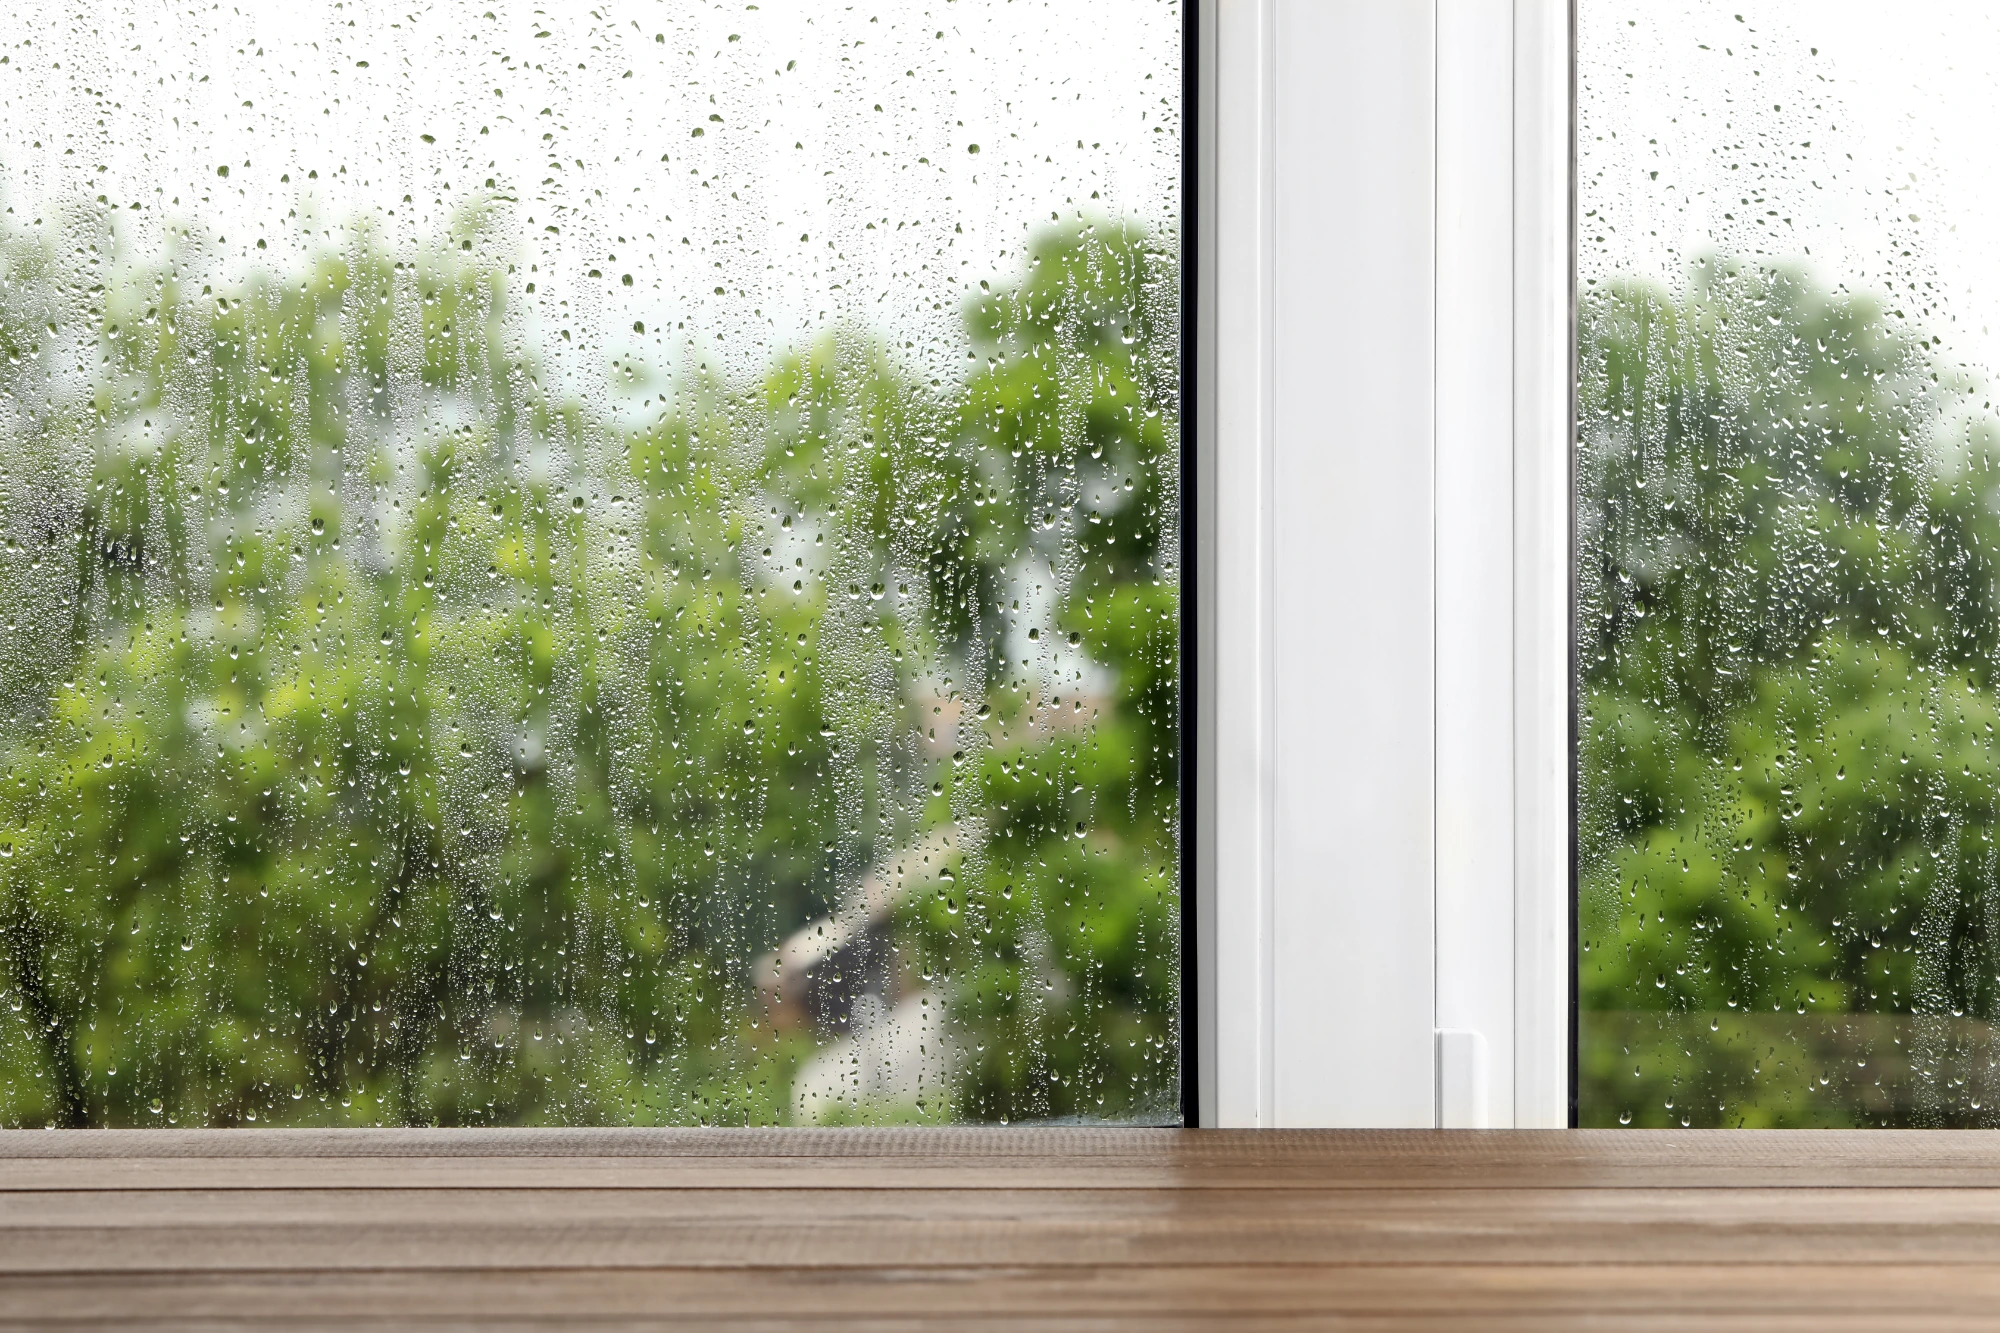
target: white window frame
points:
(1383, 727)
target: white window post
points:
(1383, 378)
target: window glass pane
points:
(1788, 590)
(581, 564)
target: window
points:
(626, 565)
(590, 565)
(1787, 519)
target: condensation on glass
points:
(1788, 582)
(603, 564)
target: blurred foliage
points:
(1789, 649)
(389, 736)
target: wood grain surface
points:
(977, 1228)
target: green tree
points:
(390, 738)
(1787, 637)
(1051, 929)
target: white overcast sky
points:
(1864, 136)
(813, 159)
(1858, 135)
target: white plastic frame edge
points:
(1409, 874)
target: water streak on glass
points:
(1788, 595)
(604, 564)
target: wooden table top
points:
(977, 1228)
